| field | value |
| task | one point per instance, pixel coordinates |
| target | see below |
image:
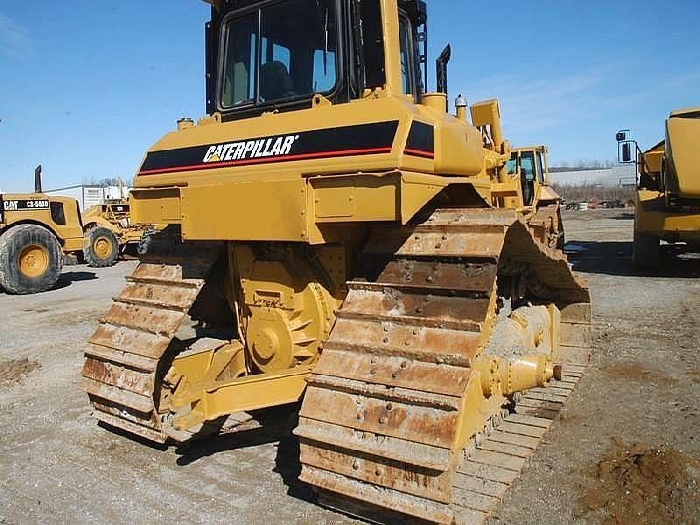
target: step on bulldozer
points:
(668, 187)
(337, 239)
(36, 231)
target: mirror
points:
(626, 152)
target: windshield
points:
(280, 52)
(527, 165)
(512, 164)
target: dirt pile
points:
(14, 370)
(639, 484)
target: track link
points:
(495, 458)
(382, 427)
(124, 358)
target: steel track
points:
(379, 425)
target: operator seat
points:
(275, 82)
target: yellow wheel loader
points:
(335, 237)
(109, 231)
(668, 187)
(36, 230)
(100, 244)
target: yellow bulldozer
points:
(668, 187)
(109, 231)
(337, 238)
(36, 231)
(529, 164)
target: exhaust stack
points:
(441, 70)
(37, 179)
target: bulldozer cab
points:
(530, 166)
(280, 56)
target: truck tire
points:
(100, 247)
(645, 253)
(145, 241)
(31, 259)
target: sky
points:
(86, 87)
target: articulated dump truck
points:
(337, 239)
(668, 187)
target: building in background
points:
(89, 195)
(595, 188)
(618, 176)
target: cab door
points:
(528, 176)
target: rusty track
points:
(124, 357)
(494, 458)
(380, 426)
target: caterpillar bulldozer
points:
(529, 164)
(36, 231)
(337, 239)
(668, 187)
(110, 232)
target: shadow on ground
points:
(276, 425)
(67, 278)
(623, 216)
(130, 436)
(615, 258)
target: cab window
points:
(239, 71)
(407, 76)
(527, 165)
(527, 176)
(512, 164)
(540, 167)
(280, 52)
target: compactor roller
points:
(336, 237)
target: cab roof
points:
(687, 113)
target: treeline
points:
(595, 193)
(584, 164)
(103, 182)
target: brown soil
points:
(639, 484)
(636, 372)
(14, 370)
(641, 387)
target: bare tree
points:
(103, 182)
(584, 164)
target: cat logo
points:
(251, 149)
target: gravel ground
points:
(642, 387)
(638, 406)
